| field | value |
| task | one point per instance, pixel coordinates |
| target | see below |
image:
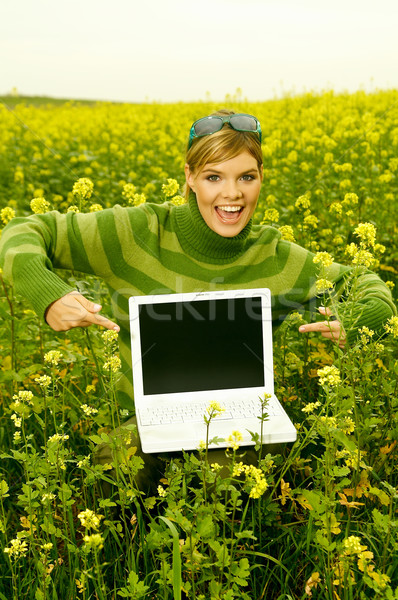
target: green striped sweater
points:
(162, 248)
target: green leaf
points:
(4, 489)
(176, 559)
(205, 527)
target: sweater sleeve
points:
(374, 304)
(32, 247)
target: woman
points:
(208, 243)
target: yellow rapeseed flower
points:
(128, 191)
(352, 545)
(350, 199)
(89, 519)
(303, 201)
(270, 215)
(52, 357)
(323, 258)
(392, 326)
(323, 285)
(329, 375)
(39, 205)
(311, 221)
(366, 233)
(6, 214)
(287, 233)
(94, 541)
(170, 188)
(234, 439)
(95, 207)
(83, 188)
(16, 549)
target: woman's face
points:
(227, 192)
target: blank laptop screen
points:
(201, 345)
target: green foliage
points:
(317, 518)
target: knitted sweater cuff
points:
(40, 285)
(373, 313)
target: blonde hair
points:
(221, 146)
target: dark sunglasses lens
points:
(207, 126)
(244, 123)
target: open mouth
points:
(229, 214)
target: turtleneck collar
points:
(199, 241)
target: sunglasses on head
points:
(209, 125)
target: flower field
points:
(314, 519)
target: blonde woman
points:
(210, 242)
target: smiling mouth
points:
(229, 214)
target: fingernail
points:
(302, 328)
(116, 328)
(97, 306)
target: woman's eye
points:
(247, 177)
(213, 178)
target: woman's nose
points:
(231, 190)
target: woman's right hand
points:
(74, 310)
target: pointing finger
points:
(98, 319)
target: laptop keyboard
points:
(191, 413)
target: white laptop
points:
(191, 349)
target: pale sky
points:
(170, 50)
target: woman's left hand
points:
(332, 330)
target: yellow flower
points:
(6, 214)
(113, 364)
(109, 336)
(16, 549)
(392, 326)
(390, 284)
(214, 409)
(323, 285)
(161, 491)
(23, 396)
(170, 188)
(215, 467)
(287, 233)
(360, 256)
(94, 541)
(178, 200)
(58, 437)
(128, 191)
(95, 207)
(272, 215)
(137, 199)
(348, 426)
(310, 407)
(329, 375)
(234, 439)
(366, 334)
(328, 422)
(73, 208)
(89, 519)
(39, 205)
(44, 381)
(17, 420)
(366, 233)
(303, 201)
(350, 199)
(311, 221)
(53, 357)
(324, 258)
(83, 188)
(352, 545)
(336, 207)
(88, 410)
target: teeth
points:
(230, 208)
